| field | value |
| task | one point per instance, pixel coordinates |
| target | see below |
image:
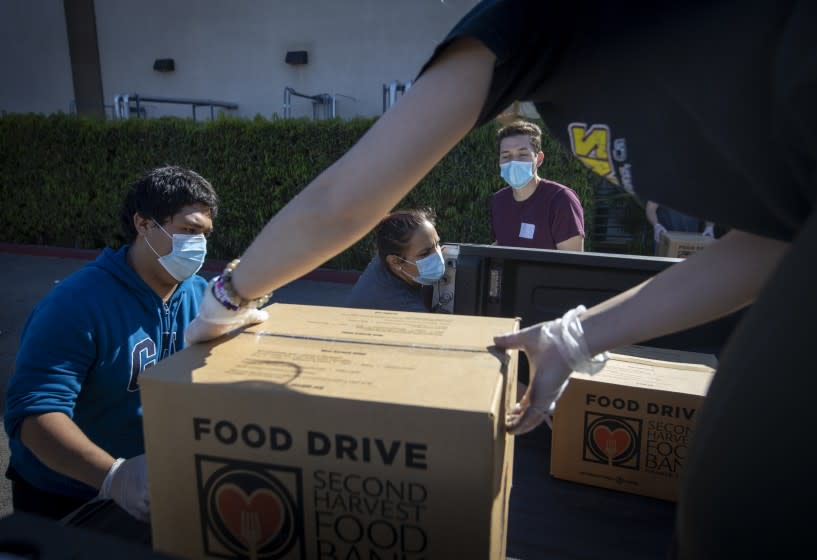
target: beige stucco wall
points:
(234, 50)
(230, 50)
(35, 68)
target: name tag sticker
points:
(526, 230)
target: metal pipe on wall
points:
(324, 105)
(287, 112)
(392, 90)
(392, 93)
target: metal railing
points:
(392, 91)
(618, 222)
(131, 103)
(324, 105)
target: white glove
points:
(215, 320)
(127, 485)
(709, 231)
(657, 230)
(554, 350)
(548, 377)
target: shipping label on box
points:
(629, 427)
(681, 244)
(333, 433)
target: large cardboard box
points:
(629, 426)
(333, 433)
(681, 244)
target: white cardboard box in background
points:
(681, 244)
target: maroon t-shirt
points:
(552, 214)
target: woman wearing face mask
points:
(73, 412)
(408, 262)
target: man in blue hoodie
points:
(73, 410)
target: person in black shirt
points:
(707, 107)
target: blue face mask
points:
(516, 173)
(430, 269)
(186, 257)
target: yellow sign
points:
(592, 147)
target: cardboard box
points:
(681, 244)
(628, 427)
(333, 433)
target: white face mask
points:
(186, 257)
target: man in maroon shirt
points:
(532, 212)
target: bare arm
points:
(575, 243)
(344, 202)
(652, 212)
(725, 277)
(60, 445)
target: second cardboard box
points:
(629, 426)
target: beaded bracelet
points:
(226, 295)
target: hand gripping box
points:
(333, 433)
(681, 244)
(629, 426)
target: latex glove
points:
(215, 320)
(657, 230)
(127, 485)
(549, 373)
(709, 231)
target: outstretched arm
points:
(344, 202)
(725, 277)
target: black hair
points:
(161, 193)
(522, 128)
(393, 233)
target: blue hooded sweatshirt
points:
(81, 353)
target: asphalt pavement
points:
(29, 272)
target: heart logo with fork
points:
(254, 519)
(612, 442)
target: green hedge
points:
(63, 177)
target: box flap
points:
(674, 358)
(686, 236)
(413, 359)
(389, 328)
(656, 368)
